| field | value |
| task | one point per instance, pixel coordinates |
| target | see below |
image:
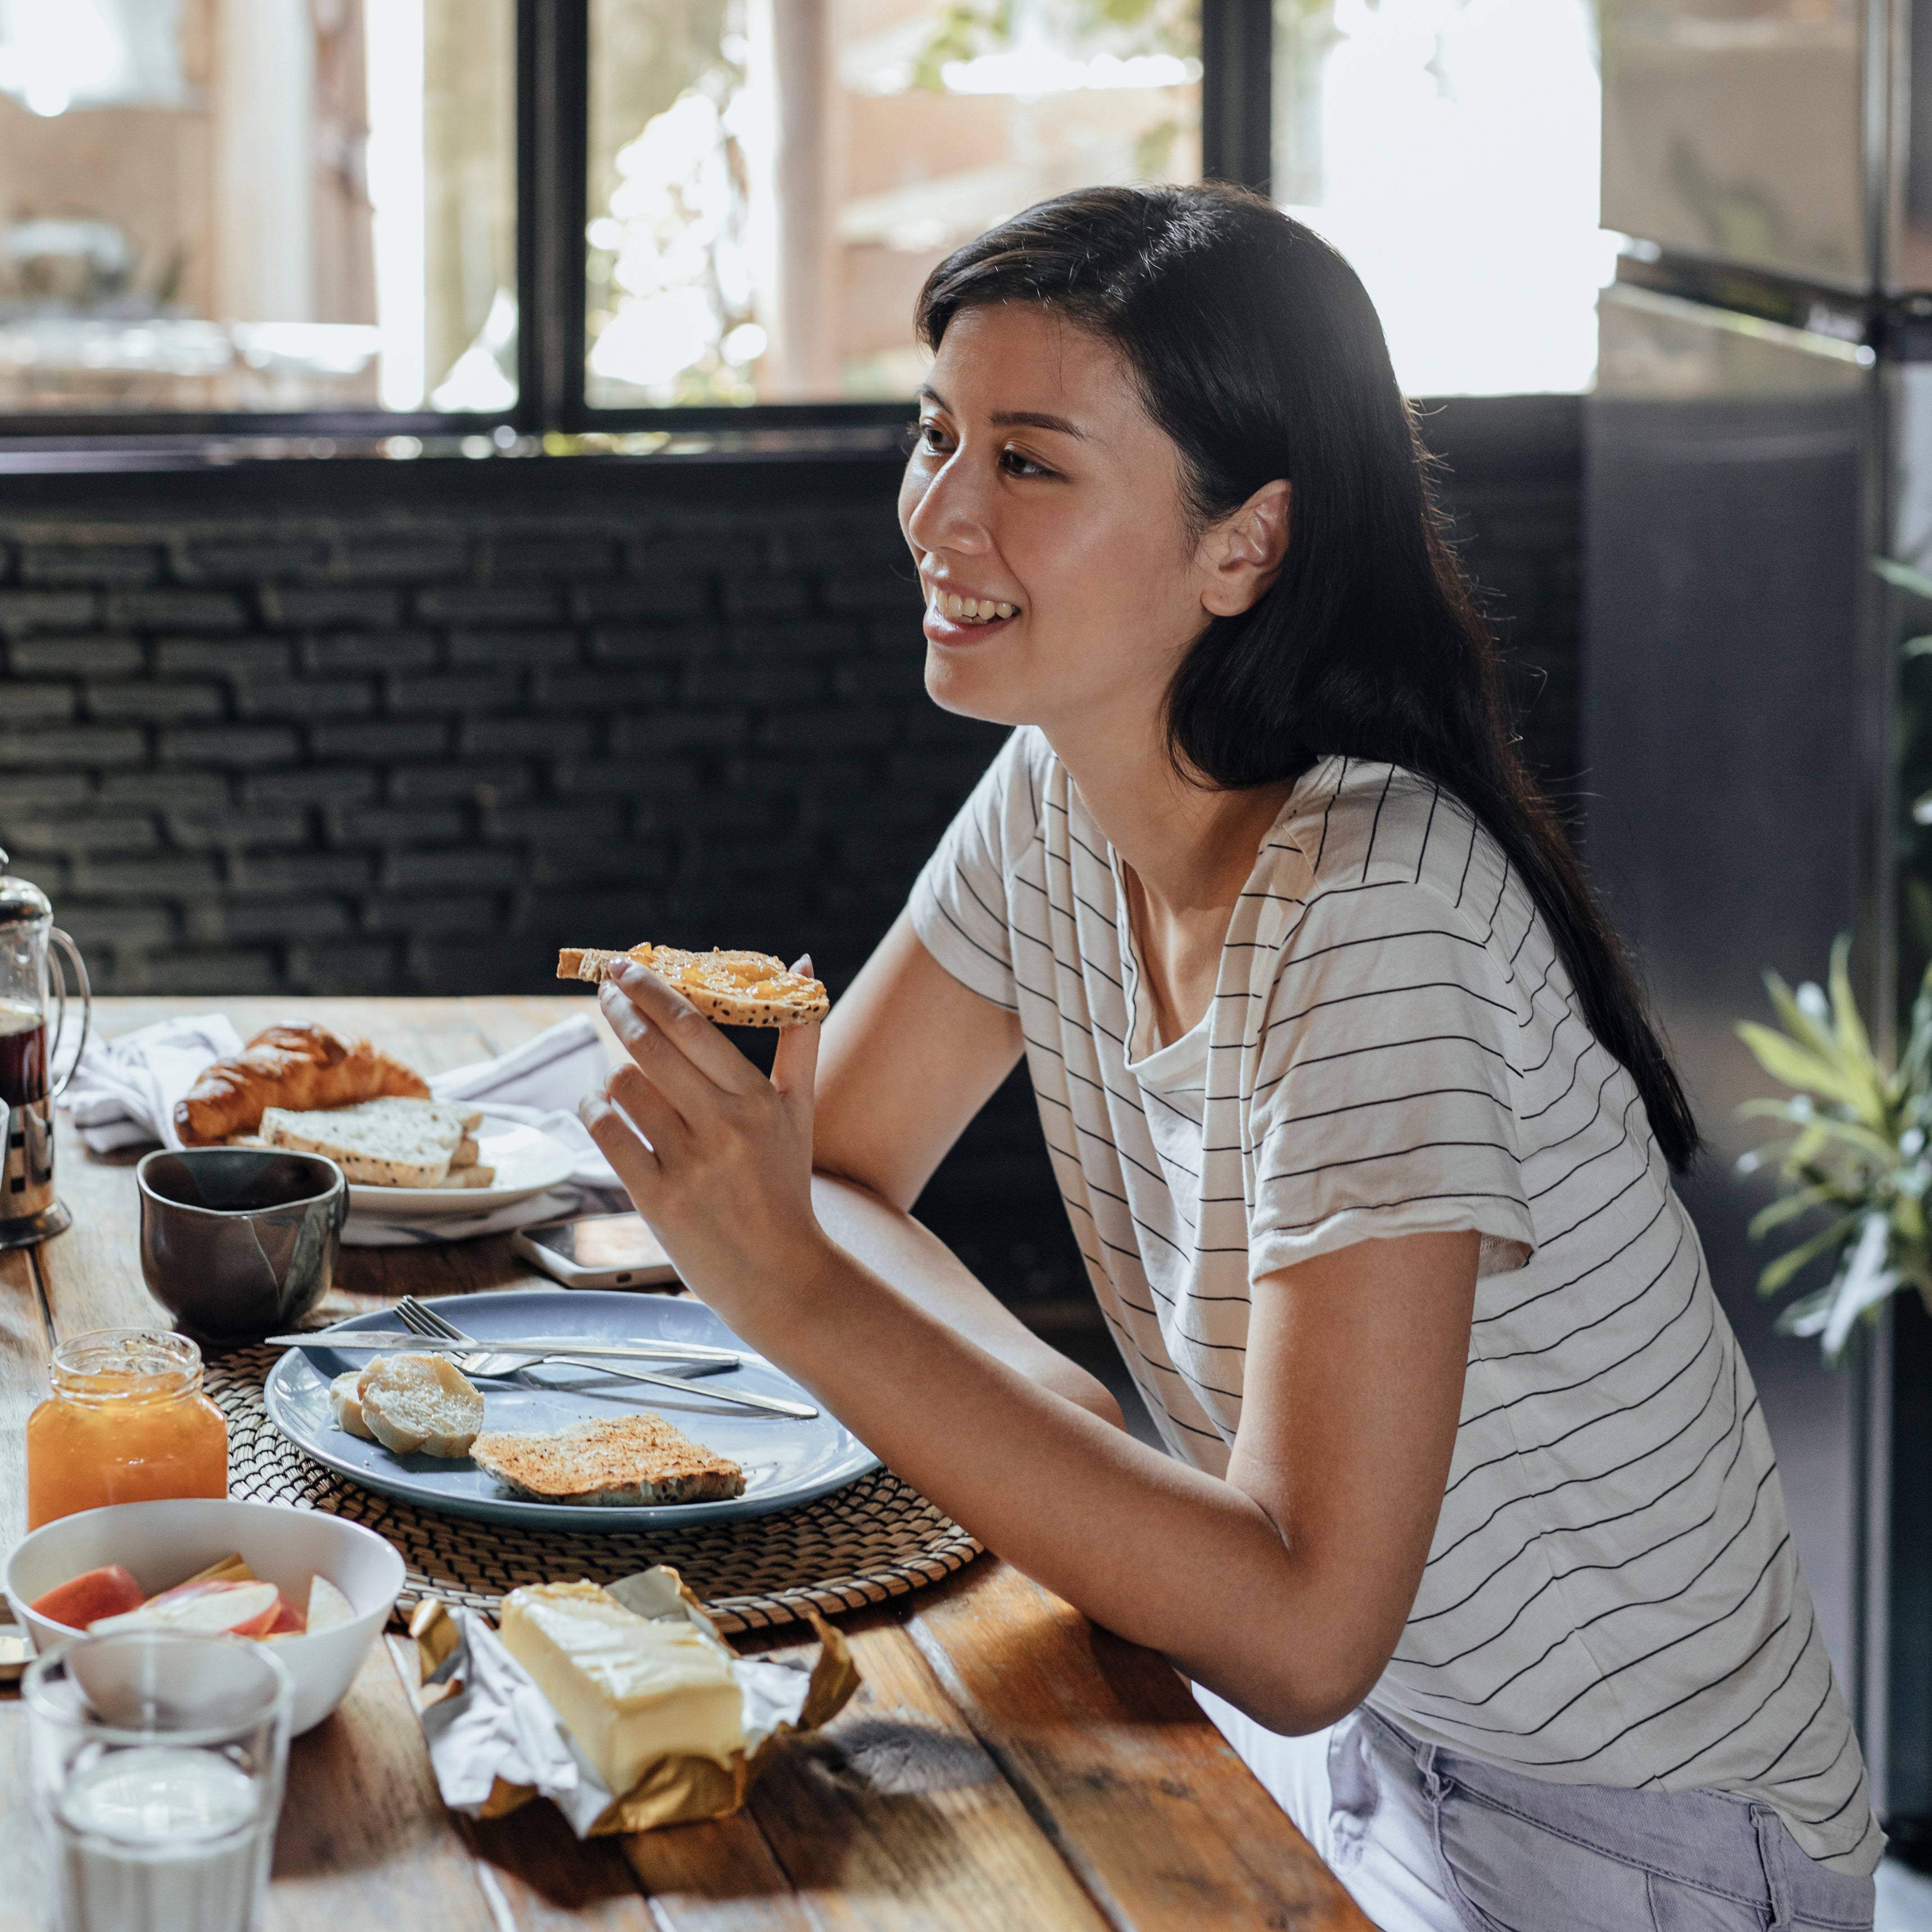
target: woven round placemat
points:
(876, 1538)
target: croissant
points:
(300, 1067)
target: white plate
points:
(786, 1461)
(526, 1161)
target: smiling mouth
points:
(959, 610)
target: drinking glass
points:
(158, 1764)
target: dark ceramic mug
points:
(237, 1243)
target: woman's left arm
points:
(1283, 1587)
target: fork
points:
(426, 1322)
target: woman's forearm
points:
(1160, 1553)
(889, 1241)
(1284, 1587)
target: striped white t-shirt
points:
(1612, 1596)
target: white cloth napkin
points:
(123, 1095)
(556, 1069)
(124, 1091)
(538, 1085)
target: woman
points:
(1470, 1537)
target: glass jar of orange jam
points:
(127, 1423)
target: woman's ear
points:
(1241, 556)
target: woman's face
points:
(1044, 509)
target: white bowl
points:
(163, 1543)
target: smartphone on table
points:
(598, 1251)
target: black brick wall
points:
(358, 727)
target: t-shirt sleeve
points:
(959, 902)
(1382, 1104)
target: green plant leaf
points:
(1797, 1022)
(1813, 1175)
(1903, 576)
(1916, 1066)
(1855, 1057)
(1805, 1155)
(1783, 1059)
(1791, 1263)
(1859, 1156)
(1908, 1225)
(1821, 1134)
(1879, 1149)
(1807, 1314)
(1804, 1158)
(1790, 1207)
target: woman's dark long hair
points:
(1257, 351)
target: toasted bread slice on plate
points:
(617, 1462)
(755, 989)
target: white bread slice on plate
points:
(442, 1117)
(387, 1143)
(754, 989)
(614, 1462)
(475, 1176)
(421, 1404)
(345, 1405)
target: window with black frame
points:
(385, 218)
(229, 208)
(770, 182)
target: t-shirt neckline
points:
(1182, 1062)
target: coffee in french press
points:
(30, 1211)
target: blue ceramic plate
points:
(786, 1462)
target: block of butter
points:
(630, 1690)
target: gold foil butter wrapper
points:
(495, 1742)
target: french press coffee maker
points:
(29, 1210)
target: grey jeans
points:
(1522, 1854)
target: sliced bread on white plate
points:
(386, 1143)
(478, 1176)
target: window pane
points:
(772, 180)
(1449, 148)
(257, 205)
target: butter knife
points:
(380, 1341)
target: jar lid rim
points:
(141, 1352)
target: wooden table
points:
(1007, 1766)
